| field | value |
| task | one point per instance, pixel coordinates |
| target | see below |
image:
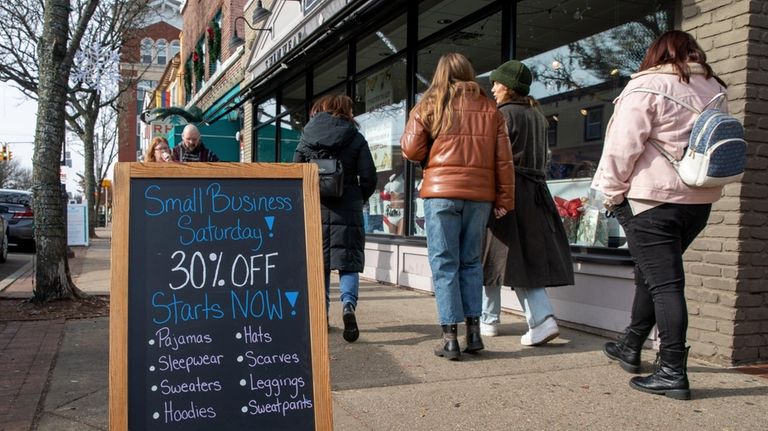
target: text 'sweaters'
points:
(217, 306)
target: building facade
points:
(143, 60)
(383, 54)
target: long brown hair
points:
(677, 48)
(149, 156)
(338, 105)
(436, 106)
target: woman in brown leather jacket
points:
(459, 135)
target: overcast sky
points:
(18, 127)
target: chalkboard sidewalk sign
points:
(218, 318)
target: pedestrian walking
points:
(192, 148)
(461, 139)
(526, 249)
(660, 214)
(333, 130)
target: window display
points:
(380, 105)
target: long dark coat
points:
(342, 218)
(528, 247)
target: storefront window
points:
(581, 57)
(481, 43)
(384, 42)
(294, 95)
(331, 72)
(290, 132)
(435, 15)
(380, 108)
(264, 135)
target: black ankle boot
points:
(449, 344)
(474, 341)
(626, 350)
(670, 377)
(351, 333)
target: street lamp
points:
(236, 40)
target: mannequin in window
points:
(394, 203)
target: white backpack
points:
(716, 153)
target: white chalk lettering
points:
(165, 338)
(193, 412)
(169, 363)
(196, 386)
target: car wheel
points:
(4, 249)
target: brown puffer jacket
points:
(472, 161)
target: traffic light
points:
(4, 153)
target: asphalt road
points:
(16, 261)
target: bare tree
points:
(604, 56)
(95, 82)
(39, 40)
(15, 176)
(56, 51)
(104, 153)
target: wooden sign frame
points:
(118, 321)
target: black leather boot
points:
(626, 350)
(474, 341)
(449, 344)
(670, 378)
(351, 333)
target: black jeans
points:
(657, 239)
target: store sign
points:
(269, 54)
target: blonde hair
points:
(149, 155)
(436, 106)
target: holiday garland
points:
(197, 63)
(188, 77)
(214, 42)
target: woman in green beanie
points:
(527, 249)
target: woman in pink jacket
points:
(659, 213)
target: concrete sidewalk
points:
(390, 379)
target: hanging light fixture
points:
(260, 13)
(236, 40)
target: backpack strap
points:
(719, 98)
(672, 98)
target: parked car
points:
(19, 217)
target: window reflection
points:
(380, 105)
(383, 43)
(581, 57)
(435, 15)
(330, 73)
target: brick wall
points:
(131, 69)
(727, 266)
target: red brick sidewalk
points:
(27, 352)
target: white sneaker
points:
(539, 335)
(489, 329)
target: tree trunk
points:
(52, 274)
(89, 145)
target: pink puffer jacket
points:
(630, 167)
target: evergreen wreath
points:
(214, 42)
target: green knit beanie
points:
(514, 75)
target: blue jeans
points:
(455, 230)
(349, 284)
(535, 303)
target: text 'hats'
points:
(514, 75)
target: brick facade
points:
(727, 266)
(132, 70)
(197, 16)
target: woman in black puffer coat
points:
(332, 131)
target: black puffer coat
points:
(343, 232)
(528, 246)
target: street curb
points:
(15, 276)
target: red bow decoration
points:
(570, 208)
(210, 32)
(195, 57)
